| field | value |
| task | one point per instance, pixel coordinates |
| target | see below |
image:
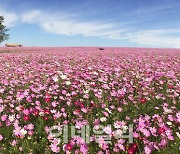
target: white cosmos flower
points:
(59, 72)
(23, 131)
(178, 134)
(169, 123)
(157, 97)
(41, 113)
(109, 111)
(95, 73)
(55, 97)
(63, 77)
(53, 111)
(68, 83)
(11, 118)
(86, 91)
(102, 119)
(89, 68)
(2, 91)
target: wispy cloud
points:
(152, 10)
(156, 37)
(63, 23)
(10, 17)
(66, 24)
(31, 16)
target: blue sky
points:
(128, 23)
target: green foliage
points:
(3, 35)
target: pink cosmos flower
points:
(14, 142)
(1, 101)
(146, 132)
(54, 148)
(64, 92)
(79, 125)
(30, 132)
(26, 111)
(147, 150)
(1, 137)
(107, 130)
(4, 117)
(120, 109)
(96, 122)
(30, 126)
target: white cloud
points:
(31, 16)
(10, 18)
(65, 24)
(67, 27)
(156, 37)
(152, 10)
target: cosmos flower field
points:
(107, 90)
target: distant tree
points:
(3, 35)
